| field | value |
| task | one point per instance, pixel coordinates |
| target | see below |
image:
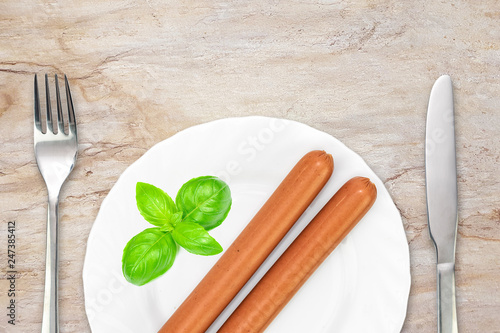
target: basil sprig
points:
(200, 205)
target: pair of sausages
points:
(260, 237)
(302, 257)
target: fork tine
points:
(38, 124)
(50, 126)
(60, 120)
(71, 111)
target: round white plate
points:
(363, 286)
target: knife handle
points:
(447, 308)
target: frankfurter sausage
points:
(249, 250)
(303, 256)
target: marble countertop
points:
(141, 71)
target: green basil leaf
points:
(148, 255)
(195, 239)
(204, 200)
(154, 204)
(174, 219)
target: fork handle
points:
(50, 309)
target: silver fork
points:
(55, 153)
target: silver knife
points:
(441, 190)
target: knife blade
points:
(442, 196)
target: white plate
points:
(363, 286)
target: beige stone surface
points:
(361, 71)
